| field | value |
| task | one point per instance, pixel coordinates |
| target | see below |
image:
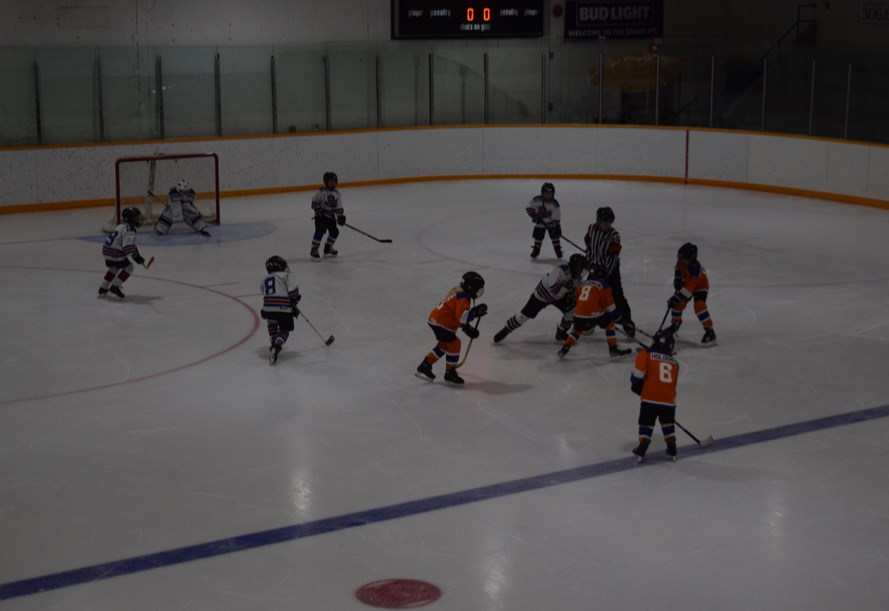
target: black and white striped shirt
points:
(603, 247)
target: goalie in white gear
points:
(180, 207)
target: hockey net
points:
(144, 182)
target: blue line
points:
(221, 547)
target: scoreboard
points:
(467, 18)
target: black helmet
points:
(132, 216)
(473, 283)
(688, 251)
(275, 264)
(577, 263)
(597, 270)
(330, 176)
(605, 215)
(662, 341)
(547, 188)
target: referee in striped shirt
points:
(603, 247)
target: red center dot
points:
(398, 593)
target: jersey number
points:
(270, 285)
(665, 372)
(585, 292)
(110, 239)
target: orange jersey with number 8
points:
(661, 373)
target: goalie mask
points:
(473, 283)
(132, 216)
(275, 264)
(330, 180)
(182, 186)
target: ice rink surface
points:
(150, 458)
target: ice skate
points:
(274, 351)
(115, 290)
(563, 351)
(424, 371)
(329, 251)
(561, 334)
(671, 449)
(709, 338)
(102, 292)
(639, 450)
(205, 233)
(314, 253)
(451, 378)
(617, 353)
(558, 250)
(501, 335)
(535, 252)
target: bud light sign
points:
(594, 19)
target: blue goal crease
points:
(230, 545)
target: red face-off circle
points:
(398, 593)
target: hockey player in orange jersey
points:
(690, 282)
(595, 308)
(654, 379)
(454, 312)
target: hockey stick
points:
(384, 241)
(469, 345)
(616, 328)
(703, 443)
(664, 319)
(583, 250)
(327, 341)
(148, 262)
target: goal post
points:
(144, 182)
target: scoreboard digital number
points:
(467, 18)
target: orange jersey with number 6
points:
(661, 373)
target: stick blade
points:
(386, 241)
(708, 441)
(148, 263)
(329, 340)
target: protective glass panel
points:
(515, 84)
(404, 87)
(18, 111)
(300, 89)
(353, 89)
(246, 90)
(189, 107)
(458, 86)
(129, 107)
(68, 94)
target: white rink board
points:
(51, 175)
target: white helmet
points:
(182, 186)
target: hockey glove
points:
(678, 283)
(674, 301)
(636, 387)
(295, 311)
(139, 259)
(471, 332)
(479, 310)
(630, 328)
(341, 219)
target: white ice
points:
(134, 427)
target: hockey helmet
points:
(687, 252)
(132, 216)
(182, 186)
(605, 215)
(577, 263)
(548, 189)
(663, 341)
(597, 270)
(330, 177)
(473, 283)
(275, 264)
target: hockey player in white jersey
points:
(546, 215)
(118, 247)
(328, 206)
(280, 296)
(180, 207)
(556, 288)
